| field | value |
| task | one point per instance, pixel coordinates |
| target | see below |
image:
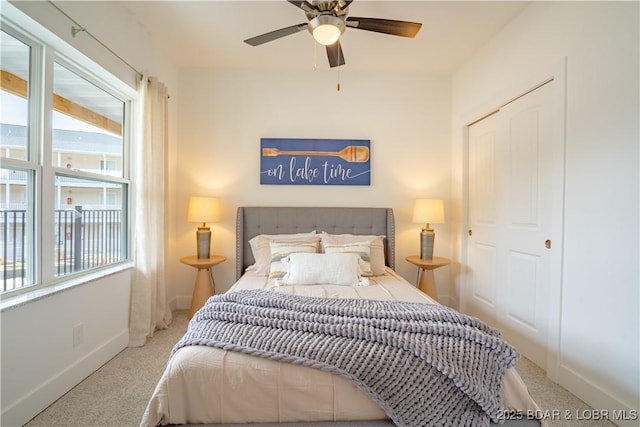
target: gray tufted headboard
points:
(252, 221)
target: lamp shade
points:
(203, 209)
(428, 211)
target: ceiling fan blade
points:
(345, 4)
(304, 5)
(335, 55)
(386, 26)
(273, 35)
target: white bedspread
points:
(207, 385)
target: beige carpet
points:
(117, 393)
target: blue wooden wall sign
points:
(285, 161)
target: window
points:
(63, 165)
(108, 165)
(17, 178)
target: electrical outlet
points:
(78, 334)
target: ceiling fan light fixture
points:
(326, 29)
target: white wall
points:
(224, 113)
(599, 319)
(39, 361)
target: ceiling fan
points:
(327, 21)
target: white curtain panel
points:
(149, 308)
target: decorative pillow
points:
(280, 253)
(375, 242)
(332, 269)
(262, 251)
(362, 249)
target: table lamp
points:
(428, 211)
(203, 209)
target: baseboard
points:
(181, 303)
(172, 305)
(610, 407)
(449, 301)
(51, 390)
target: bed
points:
(218, 384)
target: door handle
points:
(547, 244)
(470, 232)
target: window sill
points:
(37, 294)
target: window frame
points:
(45, 49)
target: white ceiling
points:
(211, 33)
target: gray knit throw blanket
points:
(424, 364)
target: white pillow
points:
(254, 241)
(332, 269)
(375, 242)
(362, 249)
(280, 253)
(262, 251)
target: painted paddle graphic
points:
(352, 153)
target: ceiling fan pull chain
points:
(338, 85)
(315, 56)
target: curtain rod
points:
(80, 29)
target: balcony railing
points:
(12, 227)
(85, 239)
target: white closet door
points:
(509, 221)
(484, 220)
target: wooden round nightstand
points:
(427, 282)
(205, 286)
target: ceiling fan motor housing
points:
(335, 8)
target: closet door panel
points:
(509, 204)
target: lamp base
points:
(427, 237)
(203, 238)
